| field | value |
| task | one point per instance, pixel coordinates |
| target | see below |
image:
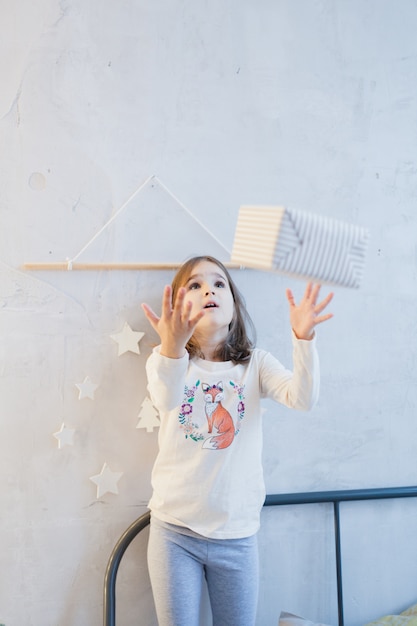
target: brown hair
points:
(237, 346)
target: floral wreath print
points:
(239, 391)
(190, 428)
(185, 417)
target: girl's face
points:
(208, 288)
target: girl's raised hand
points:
(305, 316)
(175, 325)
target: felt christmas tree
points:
(148, 416)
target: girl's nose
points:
(209, 291)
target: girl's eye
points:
(194, 286)
(220, 284)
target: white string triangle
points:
(114, 217)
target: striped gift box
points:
(300, 244)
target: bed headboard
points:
(314, 497)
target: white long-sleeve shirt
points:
(208, 474)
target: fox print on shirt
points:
(217, 416)
(203, 413)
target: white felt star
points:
(106, 481)
(65, 436)
(87, 388)
(128, 339)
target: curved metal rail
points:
(315, 497)
(119, 549)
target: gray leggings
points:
(178, 564)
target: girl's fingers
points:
(182, 310)
(309, 290)
(314, 294)
(193, 322)
(178, 305)
(290, 297)
(150, 314)
(186, 311)
(323, 318)
(320, 307)
(166, 300)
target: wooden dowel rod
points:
(59, 265)
(63, 266)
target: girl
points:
(207, 379)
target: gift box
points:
(300, 244)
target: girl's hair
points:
(237, 346)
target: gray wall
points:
(311, 104)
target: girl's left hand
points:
(305, 316)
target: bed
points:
(335, 498)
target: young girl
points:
(207, 380)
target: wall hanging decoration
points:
(272, 238)
(65, 436)
(128, 339)
(148, 416)
(86, 388)
(132, 238)
(106, 481)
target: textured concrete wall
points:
(312, 104)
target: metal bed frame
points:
(334, 497)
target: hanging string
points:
(165, 188)
(107, 224)
(70, 262)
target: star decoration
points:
(65, 436)
(128, 339)
(106, 481)
(87, 388)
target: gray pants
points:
(178, 562)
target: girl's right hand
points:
(175, 326)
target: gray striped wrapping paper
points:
(300, 244)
